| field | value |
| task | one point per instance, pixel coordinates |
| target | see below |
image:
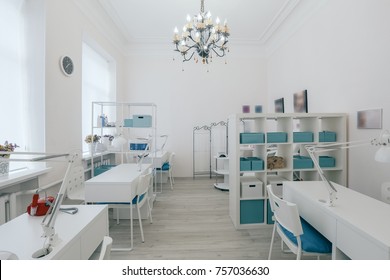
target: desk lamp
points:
(382, 155)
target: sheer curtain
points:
(98, 85)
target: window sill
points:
(21, 175)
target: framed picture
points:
(300, 102)
(279, 105)
(246, 108)
(369, 119)
(258, 109)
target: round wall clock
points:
(66, 65)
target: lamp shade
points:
(383, 154)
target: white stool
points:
(386, 192)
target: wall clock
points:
(66, 65)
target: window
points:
(98, 85)
(12, 74)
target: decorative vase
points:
(4, 168)
(92, 147)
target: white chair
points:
(105, 252)
(76, 188)
(142, 196)
(295, 232)
(167, 167)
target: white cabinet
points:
(254, 137)
(222, 168)
(132, 125)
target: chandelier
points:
(201, 38)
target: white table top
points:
(22, 235)
(123, 173)
(365, 214)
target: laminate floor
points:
(192, 222)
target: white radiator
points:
(4, 202)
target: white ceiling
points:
(250, 21)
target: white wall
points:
(193, 97)
(65, 26)
(341, 56)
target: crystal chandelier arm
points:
(214, 50)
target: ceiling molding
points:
(278, 20)
(103, 23)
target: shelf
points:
(253, 198)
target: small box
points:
(277, 137)
(142, 121)
(252, 138)
(301, 162)
(252, 211)
(245, 164)
(128, 122)
(327, 136)
(256, 163)
(301, 137)
(251, 187)
(326, 161)
(138, 146)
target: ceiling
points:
(153, 21)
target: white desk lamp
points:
(165, 141)
(382, 155)
(49, 220)
(145, 153)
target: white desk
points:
(79, 234)
(357, 225)
(115, 185)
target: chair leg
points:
(272, 242)
(117, 216)
(150, 211)
(140, 224)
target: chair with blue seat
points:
(167, 167)
(141, 197)
(295, 232)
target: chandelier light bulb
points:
(213, 30)
(225, 22)
(208, 15)
(199, 17)
(217, 21)
(176, 31)
(188, 18)
(184, 28)
(222, 38)
(197, 35)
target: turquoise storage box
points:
(327, 136)
(301, 162)
(277, 137)
(252, 211)
(326, 161)
(270, 214)
(300, 137)
(256, 163)
(245, 164)
(252, 138)
(101, 169)
(128, 123)
(142, 121)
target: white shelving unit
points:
(253, 212)
(222, 168)
(116, 126)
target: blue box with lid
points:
(251, 138)
(277, 137)
(302, 162)
(303, 136)
(142, 121)
(327, 136)
(327, 161)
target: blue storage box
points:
(270, 214)
(300, 137)
(326, 161)
(251, 138)
(301, 162)
(138, 146)
(245, 164)
(327, 136)
(252, 211)
(102, 168)
(277, 137)
(142, 121)
(256, 163)
(128, 123)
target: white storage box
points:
(277, 184)
(251, 187)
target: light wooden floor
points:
(192, 222)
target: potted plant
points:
(92, 141)
(7, 147)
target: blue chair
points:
(295, 232)
(167, 167)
